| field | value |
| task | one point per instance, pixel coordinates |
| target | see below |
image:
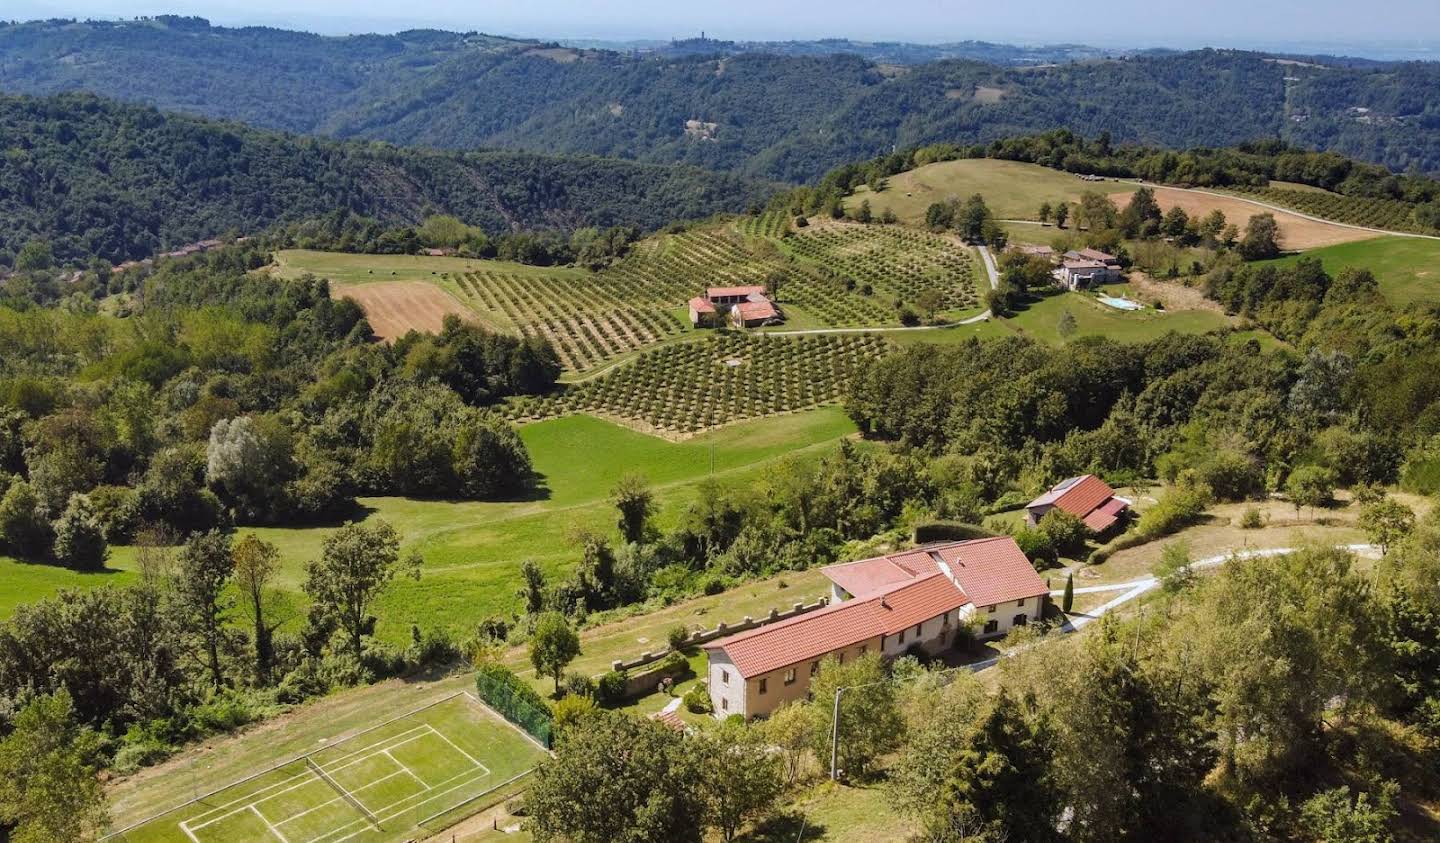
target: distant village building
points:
(888, 605)
(745, 307)
(1086, 497)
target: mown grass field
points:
(1012, 189)
(473, 550)
(1408, 268)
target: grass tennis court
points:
(427, 768)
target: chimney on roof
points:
(883, 604)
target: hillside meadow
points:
(1408, 268)
(472, 550)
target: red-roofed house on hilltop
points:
(1086, 497)
(746, 307)
(885, 605)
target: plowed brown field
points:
(395, 307)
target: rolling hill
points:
(789, 116)
(100, 178)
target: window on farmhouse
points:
(990, 609)
(814, 668)
(902, 636)
(725, 677)
(1020, 620)
(763, 683)
(1020, 602)
(945, 620)
(724, 704)
(790, 676)
(991, 626)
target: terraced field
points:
(681, 389)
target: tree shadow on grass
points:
(789, 827)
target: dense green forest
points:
(784, 114)
(98, 178)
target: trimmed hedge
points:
(940, 531)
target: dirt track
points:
(1296, 232)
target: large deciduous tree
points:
(615, 778)
(205, 569)
(357, 564)
(553, 645)
(48, 785)
(256, 561)
(870, 723)
(636, 503)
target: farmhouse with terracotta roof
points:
(1087, 268)
(886, 605)
(1086, 497)
(745, 306)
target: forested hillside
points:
(790, 115)
(116, 181)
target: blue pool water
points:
(1120, 304)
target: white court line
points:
(185, 827)
(273, 830)
(467, 755)
(408, 771)
(395, 809)
(334, 799)
(307, 775)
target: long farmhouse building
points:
(886, 605)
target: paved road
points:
(1136, 588)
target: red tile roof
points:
(749, 310)
(1104, 515)
(798, 639)
(727, 292)
(891, 593)
(1086, 497)
(700, 304)
(992, 571)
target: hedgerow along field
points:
(473, 550)
(397, 780)
(1296, 232)
(681, 389)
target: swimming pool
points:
(1121, 304)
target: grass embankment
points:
(1408, 268)
(473, 550)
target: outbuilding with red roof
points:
(1086, 497)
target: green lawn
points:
(1041, 321)
(24, 582)
(376, 786)
(473, 550)
(1408, 268)
(1012, 189)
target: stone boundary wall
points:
(722, 629)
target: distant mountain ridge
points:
(97, 177)
(789, 117)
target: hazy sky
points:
(1406, 23)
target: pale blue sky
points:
(1242, 23)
